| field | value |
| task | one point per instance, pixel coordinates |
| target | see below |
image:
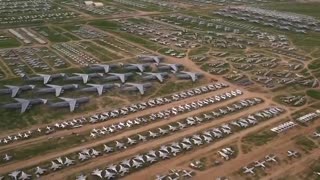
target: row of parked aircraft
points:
(165, 114)
(164, 152)
(268, 158)
(101, 117)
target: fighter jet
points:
(58, 90)
(68, 162)
(24, 104)
(14, 174)
(99, 88)
(141, 137)
(260, 164)
(40, 171)
(15, 90)
(152, 134)
(123, 170)
(109, 175)
(55, 166)
(45, 78)
(169, 67)
(136, 164)
(7, 157)
(118, 76)
(136, 87)
(147, 58)
(24, 176)
(83, 77)
(131, 141)
(316, 134)
(292, 153)
(271, 158)
(247, 170)
(98, 173)
(69, 102)
(150, 159)
(82, 157)
(81, 177)
(139, 67)
(102, 67)
(107, 149)
(189, 75)
(155, 76)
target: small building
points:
(88, 3)
(98, 4)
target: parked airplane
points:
(40, 171)
(147, 58)
(83, 77)
(271, 158)
(15, 90)
(169, 67)
(136, 87)
(24, 176)
(260, 164)
(45, 78)
(69, 102)
(81, 177)
(24, 104)
(102, 67)
(316, 134)
(98, 173)
(139, 67)
(155, 76)
(58, 90)
(189, 75)
(118, 76)
(247, 170)
(292, 153)
(14, 174)
(99, 88)
(7, 157)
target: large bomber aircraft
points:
(15, 90)
(118, 76)
(58, 90)
(99, 88)
(45, 78)
(139, 67)
(155, 76)
(102, 67)
(83, 77)
(69, 102)
(146, 58)
(169, 67)
(24, 104)
(136, 87)
(189, 75)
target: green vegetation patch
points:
(314, 64)
(105, 25)
(260, 138)
(305, 143)
(310, 9)
(8, 42)
(313, 93)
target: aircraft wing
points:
(24, 104)
(160, 78)
(106, 69)
(72, 105)
(100, 90)
(14, 91)
(141, 89)
(122, 78)
(58, 91)
(193, 77)
(46, 79)
(85, 78)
